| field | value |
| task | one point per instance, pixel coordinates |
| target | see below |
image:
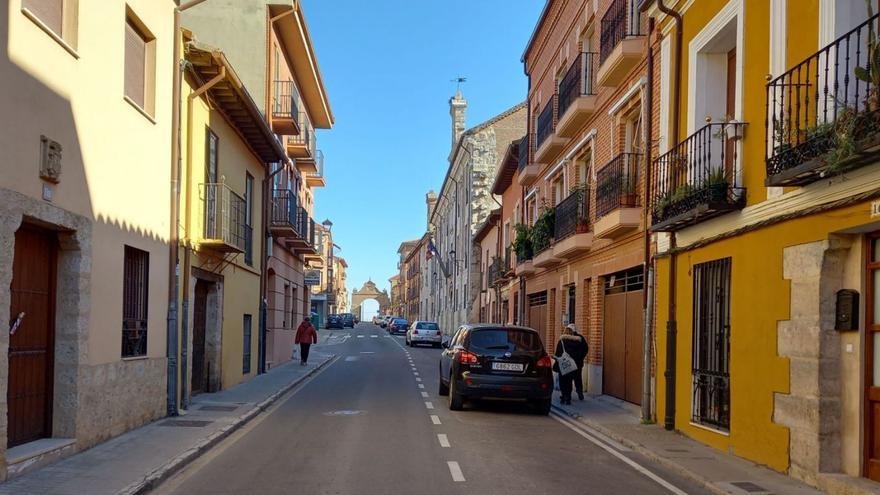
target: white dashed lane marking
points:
(421, 386)
(455, 471)
(425, 394)
(429, 405)
(435, 419)
(418, 379)
(444, 441)
(360, 336)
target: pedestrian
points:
(570, 350)
(579, 378)
(305, 337)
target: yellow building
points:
(84, 223)
(763, 204)
(227, 150)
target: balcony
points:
(577, 95)
(617, 196)
(698, 179)
(284, 109)
(283, 222)
(224, 220)
(622, 42)
(822, 117)
(316, 177)
(304, 243)
(302, 146)
(528, 172)
(548, 143)
(572, 226)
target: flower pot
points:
(734, 131)
(718, 192)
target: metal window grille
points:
(579, 80)
(135, 287)
(246, 345)
(711, 344)
(538, 298)
(625, 281)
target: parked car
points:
(347, 320)
(334, 321)
(487, 361)
(384, 321)
(398, 325)
(424, 332)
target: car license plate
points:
(507, 366)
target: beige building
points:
(85, 223)
(339, 285)
(270, 46)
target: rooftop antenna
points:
(458, 80)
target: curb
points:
(157, 476)
(644, 451)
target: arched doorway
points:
(368, 309)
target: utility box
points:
(846, 317)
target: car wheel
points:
(456, 401)
(542, 407)
(435, 346)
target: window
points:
(711, 345)
(140, 65)
(249, 219)
(135, 287)
(571, 303)
(57, 17)
(285, 321)
(246, 345)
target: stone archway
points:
(369, 291)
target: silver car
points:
(424, 332)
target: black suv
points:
(334, 321)
(496, 361)
(347, 320)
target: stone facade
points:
(462, 205)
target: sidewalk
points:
(719, 472)
(136, 461)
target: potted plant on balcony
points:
(717, 185)
(663, 202)
(582, 225)
(542, 231)
(522, 244)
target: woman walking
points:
(571, 350)
(305, 337)
(579, 377)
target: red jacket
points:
(306, 334)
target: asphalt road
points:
(372, 423)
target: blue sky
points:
(387, 66)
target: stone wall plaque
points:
(50, 160)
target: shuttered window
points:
(49, 12)
(135, 286)
(135, 64)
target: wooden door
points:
(634, 318)
(730, 111)
(872, 366)
(31, 346)
(614, 346)
(199, 363)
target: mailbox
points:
(846, 316)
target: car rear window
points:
(427, 326)
(503, 339)
(401, 322)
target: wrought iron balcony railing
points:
(284, 209)
(284, 100)
(306, 136)
(523, 149)
(545, 123)
(824, 113)
(225, 217)
(580, 80)
(697, 179)
(617, 184)
(621, 21)
(573, 214)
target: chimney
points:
(431, 201)
(457, 107)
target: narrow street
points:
(372, 422)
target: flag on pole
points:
(431, 250)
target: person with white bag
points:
(570, 350)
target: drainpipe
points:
(648, 302)
(187, 253)
(671, 324)
(171, 332)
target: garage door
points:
(622, 335)
(538, 316)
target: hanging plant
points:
(522, 244)
(544, 228)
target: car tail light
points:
(545, 362)
(439, 332)
(465, 357)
